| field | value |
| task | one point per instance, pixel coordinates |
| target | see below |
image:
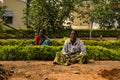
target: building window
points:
(8, 17)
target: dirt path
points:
(45, 70)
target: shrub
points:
(101, 53)
(28, 52)
(13, 42)
(48, 53)
(12, 49)
(30, 34)
(111, 44)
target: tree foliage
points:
(85, 11)
(49, 14)
(104, 12)
(2, 10)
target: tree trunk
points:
(27, 13)
(91, 26)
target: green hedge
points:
(29, 33)
(48, 53)
(111, 44)
(97, 33)
(28, 52)
(102, 53)
(13, 49)
(13, 42)
(20, 34)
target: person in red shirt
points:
(42, 39)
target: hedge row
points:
(102, 53)
(98, 33)
(28, 52)
(23, 42)
(29, 33)
(48, 53)
(21, 33)
(13, 49)
(111, 44)
(13, 42)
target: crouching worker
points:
(42, 39)
(73, 51)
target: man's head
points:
(42, 32)
(73, 35)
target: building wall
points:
(16, 6)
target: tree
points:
(2, 10)
(49, 14)
(85, 11)
(105, 14)
(27, 13)
(116, 8)
(99, 11)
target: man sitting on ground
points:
(73, 51)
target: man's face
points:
(73, 36)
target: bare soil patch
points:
(45, 70)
